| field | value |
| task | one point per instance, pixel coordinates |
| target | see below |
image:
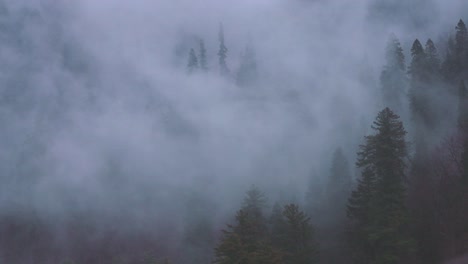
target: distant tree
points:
(418, 69)
(377, 207)
(463, 107)
(203, 61)
(247, 241)
(393, 78)
(222, 53)
(419, 86)
(278, 226)
(432, 60)
(247, 72)
(192, 64)
(450, 66)
(461, 45)
(339, 184)
(299, 245)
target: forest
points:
(300, 132)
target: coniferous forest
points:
(255, 132)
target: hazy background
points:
(100, 120)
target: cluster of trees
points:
(246, 73)
(409, 203)
(286, 237)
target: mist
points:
(104, 128)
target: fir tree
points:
(203, 62)
(222, 53)
(417, 68)
(462, 107)
(247, 73)
(461, 45)
(432, 60)
(339, 184)
(450, 66)
(192, 64)
(377, 207)
(299, 244)
(419, 98)
(393, 78)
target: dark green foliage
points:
(192, 64)
(222, 53)
(377, 207)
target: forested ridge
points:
(140, 188)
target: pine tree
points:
(339, 184)
(432, 60)
(393, 78)
(461, 45)
(247, 72)
(418, 64)
(246, 242)
(254, 205)
(299, 244)
(192, 65)
(462, 107)
(420, 83)
(203, 62)
(278, 226)
(450, 67)
(222, 53)
(377, 207)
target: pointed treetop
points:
(417, 48)
(394, 55)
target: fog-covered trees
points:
(377, 206)
(288, 236)
(222, 53)
(393, 78)
(192, 64)
(247, 72)
(202, 54)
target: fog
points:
(102, 123)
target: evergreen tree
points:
(246, 241)
(377, 207)
(450, 67)
(393, 78)
(222, 53)
(420, 84)
(299, 245)
(203, 62)
(192, 65)
(339, 184)
(418, 64)
(247, 73)
(432, 60)
(462, 107)
(278, 226)
(461, 45)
